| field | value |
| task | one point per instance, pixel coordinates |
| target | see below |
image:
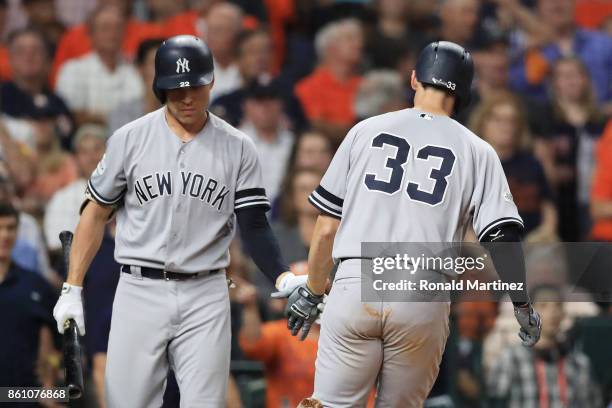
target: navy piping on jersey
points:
(251, 197)
(329, 196)
(324, 208)
(100, 198)
(497, 223)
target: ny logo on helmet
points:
(182, 65)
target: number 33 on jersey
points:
(429, 171)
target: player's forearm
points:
(87, 240)
(320, 262)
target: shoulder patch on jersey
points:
(101, 167)
(508, 196)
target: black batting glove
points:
(302, 310)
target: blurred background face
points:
(264, 114)
(28, 57)
(40, 11)
(347, 46)
(165, 8)
(89, 152)
(551, 310)
(304, 183)
(313, 151)
(188, 105)
(501, 127)
(223, 23)
(107, 31)
(492, 66)
(558, 13)
(8, 236)
(460, 17)
(392, 8)
(255, 56)
(569, 80)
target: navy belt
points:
(154, 273)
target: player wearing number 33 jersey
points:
(414, 175)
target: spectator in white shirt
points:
(95, 84)
(223, 24)
(62, 212)
(265, 123)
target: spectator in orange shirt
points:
(289, 362)
(601, 197)
(76, 42)
(327, 94)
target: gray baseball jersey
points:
(177, 200)
(409, 176)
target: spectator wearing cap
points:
(255, 62)
(379, 92)
(27, 96)
(601, 194)
(77, 41)
(564, 38)
(223, 25)
(327, 94)
(95, 84)
(42, 16)
(133, 109)
(264, 123)
(62, 211)
(26, 304)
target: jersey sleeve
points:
(249, 187)
(492, 203)
(108, 183)
(329, 195)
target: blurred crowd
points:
(295, 75)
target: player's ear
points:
(413, 81)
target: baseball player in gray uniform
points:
(179, 179)
(414, 175)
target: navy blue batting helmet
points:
(182, 61)
(448, 66)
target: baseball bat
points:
(72, 345)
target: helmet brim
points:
(183, 81)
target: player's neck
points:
(434, 101)
(4, 267)
(185, 131)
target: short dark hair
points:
(145, 47)
(15, 34)
(7, 210)
(246, 35)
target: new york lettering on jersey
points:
(165, 184)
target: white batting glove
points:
(70, 306)
(288, 284)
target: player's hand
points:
(303, 309)
(530, 322)
(287, 283)
(69, 306)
